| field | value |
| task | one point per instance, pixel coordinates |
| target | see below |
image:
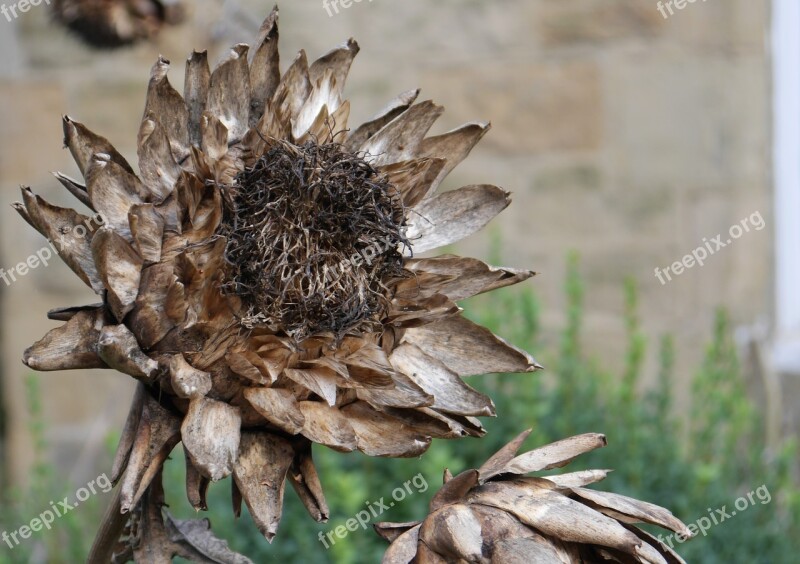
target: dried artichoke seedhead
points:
(498, 515)
(114, 23)
(257, 280)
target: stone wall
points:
(622, 134)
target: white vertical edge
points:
(786, 177)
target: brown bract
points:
(247, 348)
(498, 515)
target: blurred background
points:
(630, 132)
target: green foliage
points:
(693, 463)
(70, 535)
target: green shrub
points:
(71, 535)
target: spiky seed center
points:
(313, 234)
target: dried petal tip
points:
(552, 519)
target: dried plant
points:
(113, 23)
(498, 515)
(257, 279)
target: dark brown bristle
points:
(313, 233)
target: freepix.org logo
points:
(12, 11)
(46, 518)
(709, 247)
(332, 6)
(42, 257)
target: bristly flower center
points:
(313, 234)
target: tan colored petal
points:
(265, 73)
(71, 346)
(327, 426)
(459, 278)
(167, 104)
(647, 553)
(379, 434)
(639, 511)
(159, 305)
(405, 393)
(399, 139)
(196, 485)
(187, 381)
(260, 475)
(199, 164)
(498, 525)
(147, 230)
(396, 107)
(195, 91)
(426, 555)
(454, 490)
(75, 188)
(157, 434)
(417, 312)
(392, 531)
(70, 232)
(229, 93)
(315, 128)
(204, 302)
(555, 515)
(211, 433)
(305, 480)
(113, 192)
(578, 479)
(157, 165)
(369, 366)
(214, 137)
(525, 551)
(67, 313)
(277, 406)
(275, 357)
(338, 123)
(293, 90)
(356, 351)
(451, 394)
(83, 144)
(435, 424)
(272, 125)
(119, 267)
(669, 555)
(554, 455)
(246, 366)
(196, 84)
(453, 146)
(168, 209)
(327, 75)
(503, 457)
(414, 179)
(403, 549)
(453, 532)
(469, 349)
(337, 62)
(321, 381)
(337, 366)
(452, 216)
(119, 349)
